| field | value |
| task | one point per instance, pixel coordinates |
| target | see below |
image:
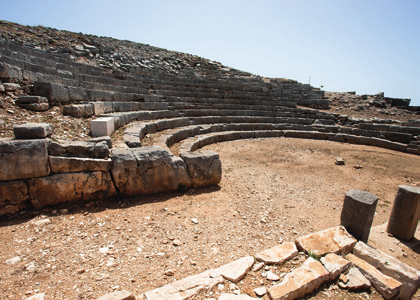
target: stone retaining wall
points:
(38, 172)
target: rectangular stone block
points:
(408, 276)
(335, 264)
(23, 159)
(333, 240)
(205, 167)
(70, 187)
(301, 281)
(385, 285)
(32, 131)
(102, 126)
(357, 214)
(278, 254)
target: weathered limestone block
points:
(11, 87)
(408, 276)
(132, 141)
(33, 131)
(405, 213)
(105, 139)
(75, 164)
(386, 286)
(78, 111)
(69, 187)
(144, 170)
(23, 159)
(186, 288)
(35, 103)
(237, 269)
(357, 214)
(204, 167)
(300, 281)
(278, 254)
(13, 192)
(335, 265)
(119, 295)
(333, 240)
(79, 149)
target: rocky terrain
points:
(272, 190)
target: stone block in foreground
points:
(405, 213)
(333, 240)
(119, 295)
(23, 159)
(385, 285)
(278, 254)
(70, 187)
(301, 281)
(237, 269)
(204, 167)
(357, 214)
(186, 288)
(33, 131)
(408, 276)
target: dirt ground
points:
(272, 190)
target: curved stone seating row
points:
(195, 143)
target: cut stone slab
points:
(70, 187)
(385, 285)
(102, 126)
(333, 240)
(237, 269)
(75, 164)
(23, 159)
(278, 254)
(356, 281)
(408, 276)
(33, 131)
(357, 214)
(119, 295)
(335, 265)
(235, 297)
(186, 288)
(405, 213)
(204, 167)
(301, 281)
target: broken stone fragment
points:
(339, 161)
(204, 167)
(278, 254)
(333, 240)
(35, 103)
(237, 269)
(300, 281)
(355, 281)
(335, 265)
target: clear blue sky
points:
(365, 46)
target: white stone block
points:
(102, 126)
